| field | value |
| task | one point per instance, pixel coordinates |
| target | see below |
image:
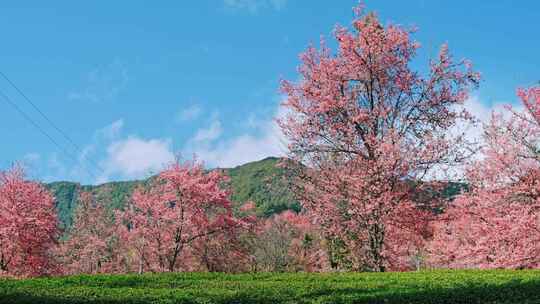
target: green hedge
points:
(419, 287)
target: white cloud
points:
(87, 168)
(254, 6)
(473, 134)
(264, 138)
(111, 131)
(188, 114)
(30, 163)
(135, 157)
(240, 150)
(103, 84)
(111, 156)
(55, 168)
(483, 112)
(211, 133)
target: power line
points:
(41, 130)
(66, 137)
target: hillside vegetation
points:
(415, 287)
(261, 182)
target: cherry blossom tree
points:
(222, 252)
(28, 226)
(367, 128)
(307, 247)
(497, 223)
(185, 204)
(228, 251)
(92, 245)
(287, 242)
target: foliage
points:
(369, 140)
(113, 195)
(65, 196)
(364, 123)
(183, 205)
(286, 242)
(440, 287)
(497, 223)
(91, 245)
(28, 226)
(261, 182)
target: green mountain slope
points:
(261, 182)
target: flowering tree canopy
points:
(365, 124)
(497, 223)
(28, 226)
(184, 204)
(92, 244)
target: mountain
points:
(261, 182)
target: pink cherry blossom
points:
(28, 226)
(366, 126)
(497, 223)
(183, 206)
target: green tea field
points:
(413, 287)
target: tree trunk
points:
(376, 243)
(141, 266)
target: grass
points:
(417, 287)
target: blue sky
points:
(135, 82)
